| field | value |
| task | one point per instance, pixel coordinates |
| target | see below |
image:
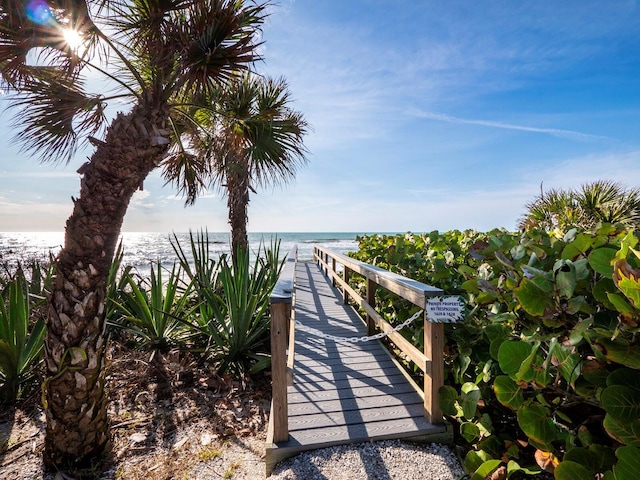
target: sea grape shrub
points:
(545, 370)
(445, 260)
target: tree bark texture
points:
(74, 396)
(238, 202)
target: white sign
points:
(447, 309)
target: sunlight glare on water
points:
(141, 248)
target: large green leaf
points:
(533, 297)
(621, 402)
(568, 363)
(474, 459)
(565, 278)
(568, 470)
(580, 332)
(621, 304)
(469, 431)
(448, 396)
(628, 466)
(508, 392)
(535, 421)
(470, 395)
(601, 260)
(630, 286)
(627, 433)
(624, 376)
(577, 247)
(597, 458)
(513, 357)
(486, 469)
(621, 351)
(596, 373)
(601, 291)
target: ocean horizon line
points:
(142, 247)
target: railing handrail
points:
(283, 290)
(414, 291)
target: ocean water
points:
(141, 248)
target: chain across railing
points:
(334, 338)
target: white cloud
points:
(556, 132)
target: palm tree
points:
(600, 201)
(159, 56)
(254, 140)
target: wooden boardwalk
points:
(344, 392)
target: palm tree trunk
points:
(74, 394)
(238, 201)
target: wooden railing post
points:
(333, 268)
(434, 376)
(279, 409)
(280, 308)
(345, 293)
(371, 300)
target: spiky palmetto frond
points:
(599, 201)
(608, 201)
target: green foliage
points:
(600, 201)
(547, 362)
(21, 342)
(233, 303)
(153, 309)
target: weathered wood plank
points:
(380, 382)
(354, 361)
(356, 403)
(386, 429)
(304, 370)
(333, 375)
(352, 417)
(296, 396)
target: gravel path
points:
(385, 460)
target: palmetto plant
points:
(159, 58)
(600, 201)
(21, 342)
(240, 319)
(154, 309)
(233, 311)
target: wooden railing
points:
(281, 301)
(431, 361)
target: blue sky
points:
(426, 115)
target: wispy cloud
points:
(556, 132)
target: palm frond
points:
(48, 110)
(222, 42)
(188, 172)
(595, 202)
